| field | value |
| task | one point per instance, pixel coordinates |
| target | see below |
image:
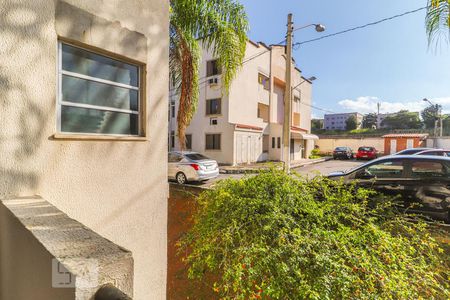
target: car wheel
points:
(181, 178)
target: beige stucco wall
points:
(329, 144)
(117, 188)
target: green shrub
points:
(273, 236)
(315, 153)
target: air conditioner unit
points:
(213, 121)
(213, 81)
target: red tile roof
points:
(406, 135)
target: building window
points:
(212, 68)
(264, 81)
(172, 139)
(296, 119)
(188, 141)
(213, 142)
(273, 143)
(263, 112)
(278, 142)
(213, 107)
(265, 144)
(97, 94)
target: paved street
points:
(327, 167)
(310, 171)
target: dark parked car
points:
(411, 151)
(343, 152)
(436, 152)
(422, 180)
(366, 153)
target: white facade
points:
(250, 118)
(338, 121)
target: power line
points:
(327, 36)
(318, 108)
(360, 27)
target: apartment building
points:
(245, 125)
(339, 121)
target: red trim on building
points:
(242, 126)
(298, 129)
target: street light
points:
(312, 78)
(438, 116)
(318, 27)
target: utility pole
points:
(439, 111)
(378, 115)
(288, 97)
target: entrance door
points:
(393, 146)
(250, 149)
(409, 143)
(244, 148)
(291, 149)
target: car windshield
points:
(365, 149)
(196, 156)
(340, 149)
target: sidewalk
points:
(257, 167)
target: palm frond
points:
(438, 20)
(219, 25)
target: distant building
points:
(338, 121)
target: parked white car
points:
(191, 166)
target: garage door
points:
(248, 148)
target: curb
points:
(312, 162)
(257, 170)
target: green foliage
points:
(438, 20)
(430, 115)
(403, 120)
(351, 123)
(273, 236)
(370, 121)
(316, 124)
(315, 153)
(446, 125)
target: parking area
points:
(310, 171)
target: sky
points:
(390, 63)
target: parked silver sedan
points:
(191, 166)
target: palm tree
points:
(438, 20)
(218, 25)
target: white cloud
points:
(368, 104)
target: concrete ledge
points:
(92, 260)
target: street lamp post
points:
(288, 90)
(438, 117)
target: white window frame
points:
(61, 102)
